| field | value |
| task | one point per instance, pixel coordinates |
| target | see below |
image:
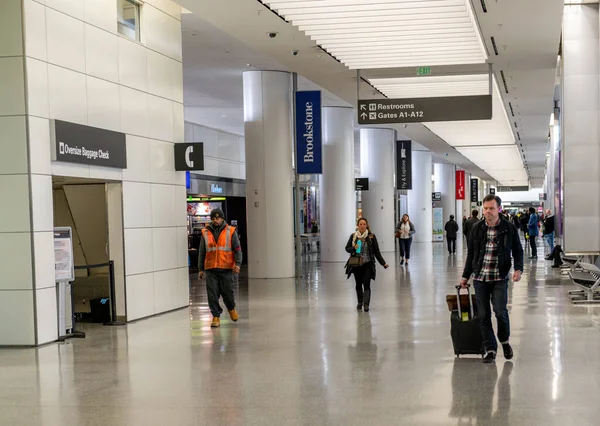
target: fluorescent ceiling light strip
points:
(400, 18)
(393, 41)
(326, 7)
(416, 12)
(432, 79)
(428, 49)
(353, 65)
(317, 3)
(424, 57)
(324, 35)
(409, 26)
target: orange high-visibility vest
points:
(219, 254)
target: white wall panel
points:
(47, 326)
(138, 159)
(16, 307)
(68, 99)
(229, 146)
(101, 13)
(66, 40)
(162, 33)
(43, 244)
(180, 206)
(140, 296)
(37, 88)
(211, 166)
(164, 242)
(12, 86)
(102, 53)
(167, 6)
(105, 173)
(11, 43)
(162, 162)
(13, 140)
(69, 169)
(14, 214)
(159, 73)
(138, 251)
(134, 112)
(183, 298)
(229, 169)
(39, 144)
(103, 103)
(209, 138)
(15, 261)
(132, 64)
(165, 290)
(70, 7)
(176, 80)
(178, 126)
(182, 244)
(160, 118)
(41, 197)
(137, 204)
(163, 201)
(35, 30)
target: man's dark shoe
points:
(508, 352)
(533, 257)
(489, 358)
(359, 306)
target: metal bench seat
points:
(588, 280)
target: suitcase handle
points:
(458, 288)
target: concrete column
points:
(419, 198)
(445, 182)
(580, 108)
(377, 163)
(338, 199)
(269, 175)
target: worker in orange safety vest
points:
(219, 257)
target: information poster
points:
(438, 224)
(64, 268)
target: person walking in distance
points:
(405, 230)
(470, 223)
(363, 244)
(533, 231)
(451, 233)
(549, 229)
(492, 242)
(220, 256)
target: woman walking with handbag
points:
(404, 231)
(364, 250)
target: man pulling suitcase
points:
(491, 244)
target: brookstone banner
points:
(309, 140)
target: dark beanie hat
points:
(217, 213)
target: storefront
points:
(204, 195)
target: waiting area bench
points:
(587, 278)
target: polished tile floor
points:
(302, 355)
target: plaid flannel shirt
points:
(490, 270)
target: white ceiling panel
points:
(407, 32)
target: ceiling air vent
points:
(483, 6)
(494, 45)
(504, 81)
(512, 112)
(519, 136)
(516, 125)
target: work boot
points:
(216, 322)
(367, 300)
(489, 358)
(234, 315)
(508, 352)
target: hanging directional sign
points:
(418, 110)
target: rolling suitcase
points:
(465, 329)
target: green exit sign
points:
(424, 71)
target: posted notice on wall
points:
(64, 267)
(438, 224)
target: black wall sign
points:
(474, 190)
(403, 165)
(76, 143)
(513, 189)
(493, 191)
(436, 196)
(189, 156)
(418, 110)
(361, 184)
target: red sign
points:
(460, 184)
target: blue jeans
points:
(497, 293)
(550, 240)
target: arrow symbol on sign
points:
(363, 115)
(363, 107)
